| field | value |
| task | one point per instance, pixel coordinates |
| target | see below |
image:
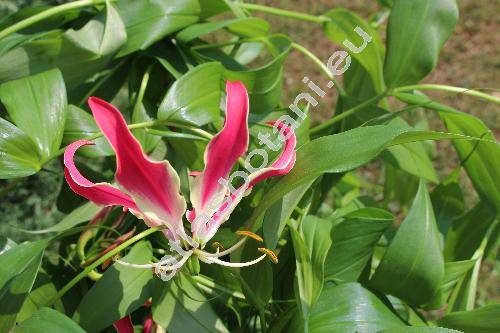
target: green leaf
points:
(247, 26)
(413, 265)
(277, 215)
(18, 270)
(453, 272)
(120, 291)
(416, 32)
(179, 307)
(342, 28)
(448, 202)
(264, 83)
(467, 232)
(195, 97)
(334, 154)
(412, 158)
(149, 21)
(81, 125)
(77, 61)
(18, 153)
(330, 154)
(37, 105)
(354, 240)
(48, 320)
(485, 319)
(41, 293)
(348, 308)
(478, 158)
(81, 214)
(419, 330)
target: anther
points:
(272, 256)
(249, 234)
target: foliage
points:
(354, 256)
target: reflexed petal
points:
(285, 161)
(154, 186)
(100, 193)
(124, 325)
(222, 152)
(283, 164)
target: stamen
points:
(225, 252)
(270, 254)
(128, 264)
(249, 234)
(235, 264)
(218, 247)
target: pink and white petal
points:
(124, 325)
(101, 193)
(147, 327)
(154, 186)
(224, 149)
(283, 164)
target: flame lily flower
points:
(150, 189)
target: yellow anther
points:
(218, 246)
(249, 234)
(270, 254)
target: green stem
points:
(284, 13)
(321, 65)
(46, 14)
(102, 259)
(345, 114)
(142, 90)
(442, 87)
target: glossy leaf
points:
(467, 232)
(485, 319)
(453, 272)
(416, 32)
(18, 270)
(149, 21)
(334, 154)
(81, 214)
(413, 265)
(348, 308)
(77, 60)
(419, 330)
(448, 202)
(18, 153)
(41, 293)
(311, 244)
(277, 215)
(195, 97)
(120, 291)
(263, 83)
(477, 157)
(48, 320)
(354, 240)
(249, 27)
(179, 307)
(37, 105)
(80, 125)
(342, 27)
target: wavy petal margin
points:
(101, 193)
(281, 166)
(124, 325)
(154, 186)
(222, 151)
